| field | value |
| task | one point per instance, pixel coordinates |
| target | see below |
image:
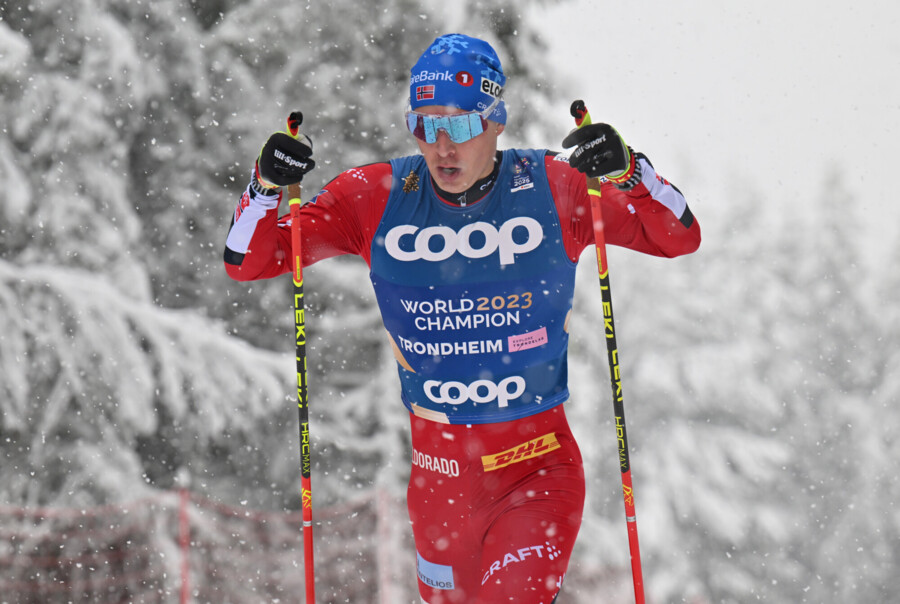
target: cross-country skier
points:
(472, 254)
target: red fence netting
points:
(179, 547)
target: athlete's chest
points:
(512, 233)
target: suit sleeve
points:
(341, 219)
(653, 217)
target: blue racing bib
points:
(476, 299)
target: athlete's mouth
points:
(449, 171)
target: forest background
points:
(761, 403)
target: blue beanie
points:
(458, 71)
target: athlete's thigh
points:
(446, 523)
(526, 551)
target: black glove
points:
(601, 152)
(284, 158)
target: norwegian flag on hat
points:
(424, 93)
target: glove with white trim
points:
(285, 158)
(600, 152)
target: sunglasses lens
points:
(464, 127)
(460, 128)
(415, 125)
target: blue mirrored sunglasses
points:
(460, 127)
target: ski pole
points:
(583, 118)
(294, 201)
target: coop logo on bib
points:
(476, 240)
(479, 391)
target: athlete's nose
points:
(443, 144)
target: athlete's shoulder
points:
(555, 164)
(518, 153)
(360, 181)
(565, 181)
(558, 164)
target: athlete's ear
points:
(500, 129)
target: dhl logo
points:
(533, 448)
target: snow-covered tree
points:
(127, 131)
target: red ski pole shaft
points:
(294, 202)
(583, 118)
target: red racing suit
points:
(497, 487)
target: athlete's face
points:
(457, 166)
